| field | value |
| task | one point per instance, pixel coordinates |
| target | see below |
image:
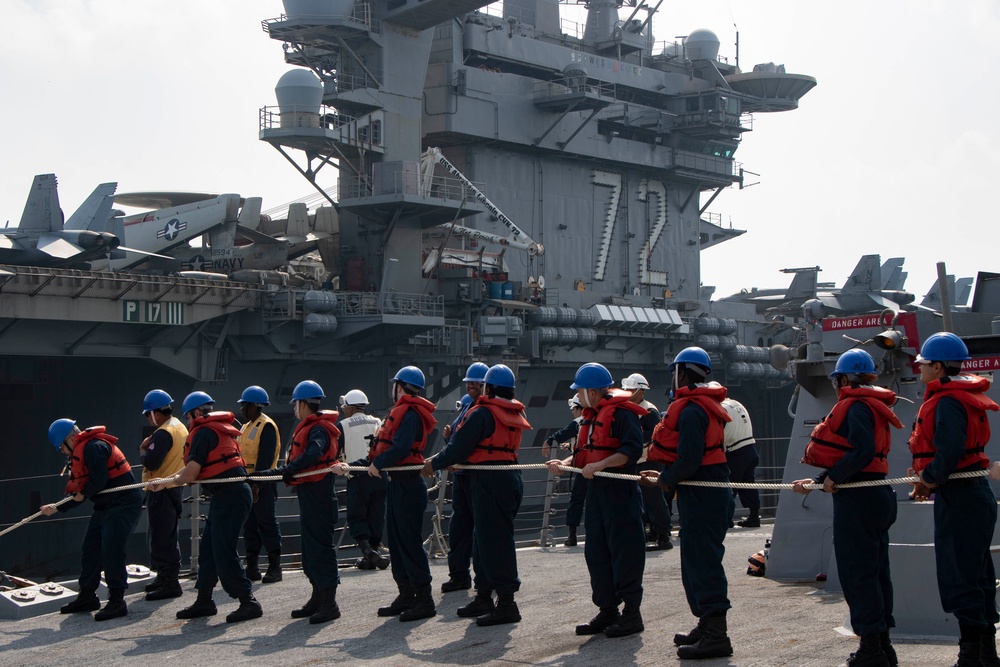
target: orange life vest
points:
(328, 420)
(970, 391)
(594, 442)
(226, 454)
(383, 438)
(78, 472)
(505, 440)
(826, 447)
(666, 437)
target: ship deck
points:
(770, 624)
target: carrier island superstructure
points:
(596, 151)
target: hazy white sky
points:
(894, 152)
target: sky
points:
(893, 152)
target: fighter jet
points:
(41, 237)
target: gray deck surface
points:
(770, 624)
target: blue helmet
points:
(943, 346)
(410, 375)
(476, 372)
(254, 394)
(59, 430)
(307, 390)
(854, 362)
(592, 376)
(692, 355)
(156, 400)
(499, 376)
(195, 399)
(464, 402)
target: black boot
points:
(988, 647)
(714, 642)
(605, 618)
(311, 606)
(115, 607)
(869, 653)
(85, 601)
(456, 584)
(506, 611)
(423, 605)
(403, 602)
(155, 583)
(890, 652)
(571, 540)
(681, 639)
(662, 543)
(374, 558)
(171, 588)
(328, 609)
(970, 648)
(203, 606)
(273, 573)
(480, 605)
(253, 569)
(363, 564)
(249, 608)
(752, 521)
(629, 624)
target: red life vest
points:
(666, 437)
(970, 391)
(226, 454)
(510, 422)
(594, 442)
(826, 447)
(328, 420)
(78, 473)
(383, 437)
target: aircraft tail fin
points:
(803, 285)
(933, 297)
(866, 277)
(893, 276)
(41, 210)
(250, 213)
(95, 212)
(963, 289)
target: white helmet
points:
(575, 402)
(635, 381)
(354, 397)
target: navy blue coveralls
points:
(495, 497)
(365, 499)
(615, 549)
(462, 524)
(406, 501)
(219, 558)
(113, 520)
(163, 511)
(742, 463)
(262, 525)
(704, 516)
(578, 495)
(318, 510)
(861, 521)
(965, 513)
(656, 507)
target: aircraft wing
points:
(8, 243)
(56, 246)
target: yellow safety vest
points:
(174, 460)
(249, 441)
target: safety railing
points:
(362, 14)
(412, 183)
(302, 116)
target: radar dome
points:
(299, 90)
(702, 44)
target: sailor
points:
(852, 445)
(260, 446)
(365, 494)
(949, 436)
(578, 494)
(96, 464)
(689, 442)
(212, 452)
(491, 436)
(656, 510)
(610, 439)
(461, 525)
(400, 441)
(742, 459)
(315, 447)
(161, 455)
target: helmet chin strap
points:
(585, 399)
